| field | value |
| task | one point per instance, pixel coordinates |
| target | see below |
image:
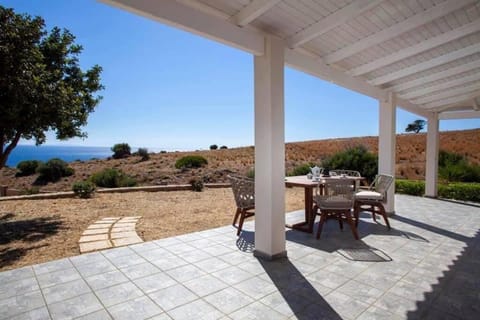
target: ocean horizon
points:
(66, 153)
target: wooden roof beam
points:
(331, 21)
(423, 46)
(396, 30)
(253, 10)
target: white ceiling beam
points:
(412, 108)
(423, 46)
(395, 30)
(448, 93)
(184, 17)
(459, 115)
(441, 86)
(253, 10)
(429, 64)
(318, 69)
(465, 98)
(311, 65)
(331, 21)
(437, 76)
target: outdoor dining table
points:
(309, 185)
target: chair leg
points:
(372, 208)
(340, 222)
(352, 225)
(356, 213)
(237, 213)
(381, 209)
(240, 223)
(323, 217)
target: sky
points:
(171, 90)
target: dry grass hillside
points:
(160, 168)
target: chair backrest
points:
(335, 194)
(349, 173)
(243, 191)
(381, 183)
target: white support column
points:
(270, 151)
(386, 145)
(431, 167)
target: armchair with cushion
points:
(335, 200)
(373, 198)
(244, 193)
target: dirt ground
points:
(36, 231)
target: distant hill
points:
(160, 169)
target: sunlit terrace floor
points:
(426, 267)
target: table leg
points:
(307, 225)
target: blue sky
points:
(172, 90)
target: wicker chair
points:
(372, 199)
(244, 193)
(335, 200)
(349, 173)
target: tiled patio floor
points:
(426, 267)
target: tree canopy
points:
(416, 126)
(42, 86)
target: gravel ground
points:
(36, 231)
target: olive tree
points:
(42, 86)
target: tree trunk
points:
(5, 152)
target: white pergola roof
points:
(427, 52)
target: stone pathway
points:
(109, 233)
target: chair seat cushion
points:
(368, 195)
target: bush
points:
(301, 170)
(28, 167)
(197, 184)
(213, 147)
(112, 178)
(120, 150)
(53, 170)
(83, 189)
(223, 147)
(357, 158)
(454, 167)
(32, 190)
(191, 162)
(460, 191)
(143, 152)
(412, 187)
(251, 174)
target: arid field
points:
(35, 231)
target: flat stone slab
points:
(108, 233)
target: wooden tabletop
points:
(303, 181)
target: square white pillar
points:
(386, 145)
(431, 166)
(270, 151)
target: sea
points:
(66, 153)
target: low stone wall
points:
(70, 194)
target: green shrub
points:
(112, 178)
(28, 167)
(143, 152)
(412, 187)
(120, 150)
(191, 162)
(251, 173)
(357, 158)
(32, 190)
(197, 184)
(460, 191)
(454, 167)
(223, 147)
(83, 189)
(53, 170)
(301, 170)
(213, 147)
